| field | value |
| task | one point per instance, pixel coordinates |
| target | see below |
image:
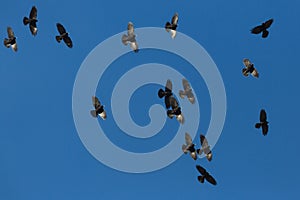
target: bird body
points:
(130, 38)
(11, 41)
(32, 20)
(205, 176)
(263, 28)
(171, 27)
(249, 68)
(63, 35)
(264, 124)
(188, 92)
(205, 148)
(189, 147)
(99, 109)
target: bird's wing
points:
(201, 169)
(125, 39)
(257, 29)
(168, 87)
(247, 63)
(203, 141)
(33, 28)
(167, 102)
(33, 13)
(168, 26)
(210, 179)
(68, 41)
(175, 19)
(61, 29)
(188, 139)
(186, 85)
(10, 33)
(96, 102)
(263, 116)
(265, 129)
(130, 28)
(173, 102)
(268, 23)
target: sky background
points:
(41, 155)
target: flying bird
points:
(171, 27)
(205, 176)
(130, 38)
(249, 68)
(166, 93)
(11, 41)
(263, 122)
(175, 111)
(31, 21)
(189, 147)
(187, 91)
(263, 28)
(99, 109)
(64, 35)
(205, 148)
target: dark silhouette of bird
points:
(31, 21)
(175, 111)
(171, 27)
(205, 148)
(189, 147)
(263, 28)
(99, 109)
(166, 93)
(130, 38)
(205, 176)
(249, 68)
(187, 91)
(64, 35)
(263, 122)
(11, 41)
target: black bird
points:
(175, 111)
(263, 28)
(205, 175)
(166, 93)
(187, 91)
(263, 122)
(32, 21)
(11, 41)
(63, 35)
(249, 68)
(205, 148)
(189, 147)
(99, 109)
(130, 38)
(171, 27)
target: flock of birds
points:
(172, 106)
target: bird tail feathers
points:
(257, 125)
(58, 38)
(201, 179)
(25, 20)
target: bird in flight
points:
(205, 176)
(205, 148)
(189, 147)
(64, 35)
(171, 27)
(263, 28)
(263, 122)
(188, 92)
(99, 109)
(31, 21)
(249, 68)
(11, 41)
(130, 38)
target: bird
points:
(171, 27)
(175, 111)
(205, 176)
(64, 35)
(32, 21)
(249, 68)
(263, 122)
(166, 93)
(11, 41)
(205, 148)
(130, 38)
(263, 28)
(189, 147)
(187, 91)
(99, 109)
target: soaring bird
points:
(263, 122)
(187, 91)
(11, 41)
(166, 93)
(263, 28)
(64, 35)
(171, 27)
(249, 68)
(205, 148)
(205, 176)
(189, 147)
(99, 109)
(31, 21)
(175, 111)
(130, 38)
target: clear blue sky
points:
(41, 154)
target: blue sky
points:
(41, 154)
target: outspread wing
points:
(203, 141)
(268, 23)
(265, 129)
(188, 139)
(186, 85)
(247, 63)
(61, 29)
(96, 102)
(210, 179)
(68, 41)
(175, 19)
(10, 33)
(257, 29)
(173, 102)
(168, 87)
(130, 28)
(201, 169)
(33, 13)
(263, 116)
